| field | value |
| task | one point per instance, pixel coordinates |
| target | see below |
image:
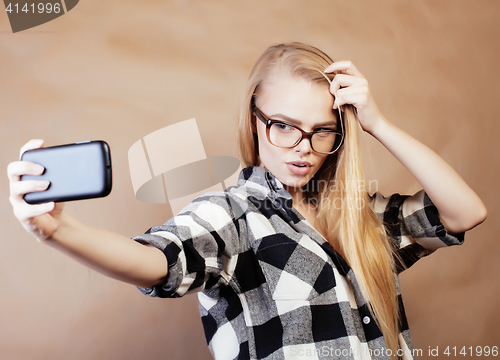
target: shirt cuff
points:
(424, 226)
(172, 282)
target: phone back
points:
(75, 171)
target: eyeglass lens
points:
(284, 135)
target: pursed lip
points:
(299, 162)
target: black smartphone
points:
(75, 171)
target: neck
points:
(297, 195)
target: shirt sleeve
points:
(200, 245)
(413, 226)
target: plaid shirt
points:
(269, 285)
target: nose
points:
(304, 146)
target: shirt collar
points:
(260, 182)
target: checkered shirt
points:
(270, 286)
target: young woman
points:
(297, 260)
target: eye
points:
(323, 134)
(283, 127)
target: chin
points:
(296, 182)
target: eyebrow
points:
(298, 122)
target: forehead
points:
(296, 98)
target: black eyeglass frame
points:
(308, 135)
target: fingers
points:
(344, 66)
(24, 212)
(19, 188)
(354, 96)
(17, 168)
(341, 80)
(32, 144)
(28, 214)
(22, 209)
(349, 89)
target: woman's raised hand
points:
(39, 220)
(349, 86)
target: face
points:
(300, 103)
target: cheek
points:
(262, 139)
(268, 153)
(322, 160)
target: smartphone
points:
(75, 171)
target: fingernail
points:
(42, 184)
(49, 206)
(38, 168)
(37, 141)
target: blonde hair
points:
(353, 229)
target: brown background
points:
(118, 70)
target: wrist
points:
(66, 228)
(382, 126)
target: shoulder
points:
(228, 203)
(234, 201)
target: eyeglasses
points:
(287, 136)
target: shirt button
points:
(366, 320)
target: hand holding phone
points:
(42, 220)
(75, 172)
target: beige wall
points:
(118, 70)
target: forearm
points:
(459, 207)
(109, 253)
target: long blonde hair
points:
(353, 229)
